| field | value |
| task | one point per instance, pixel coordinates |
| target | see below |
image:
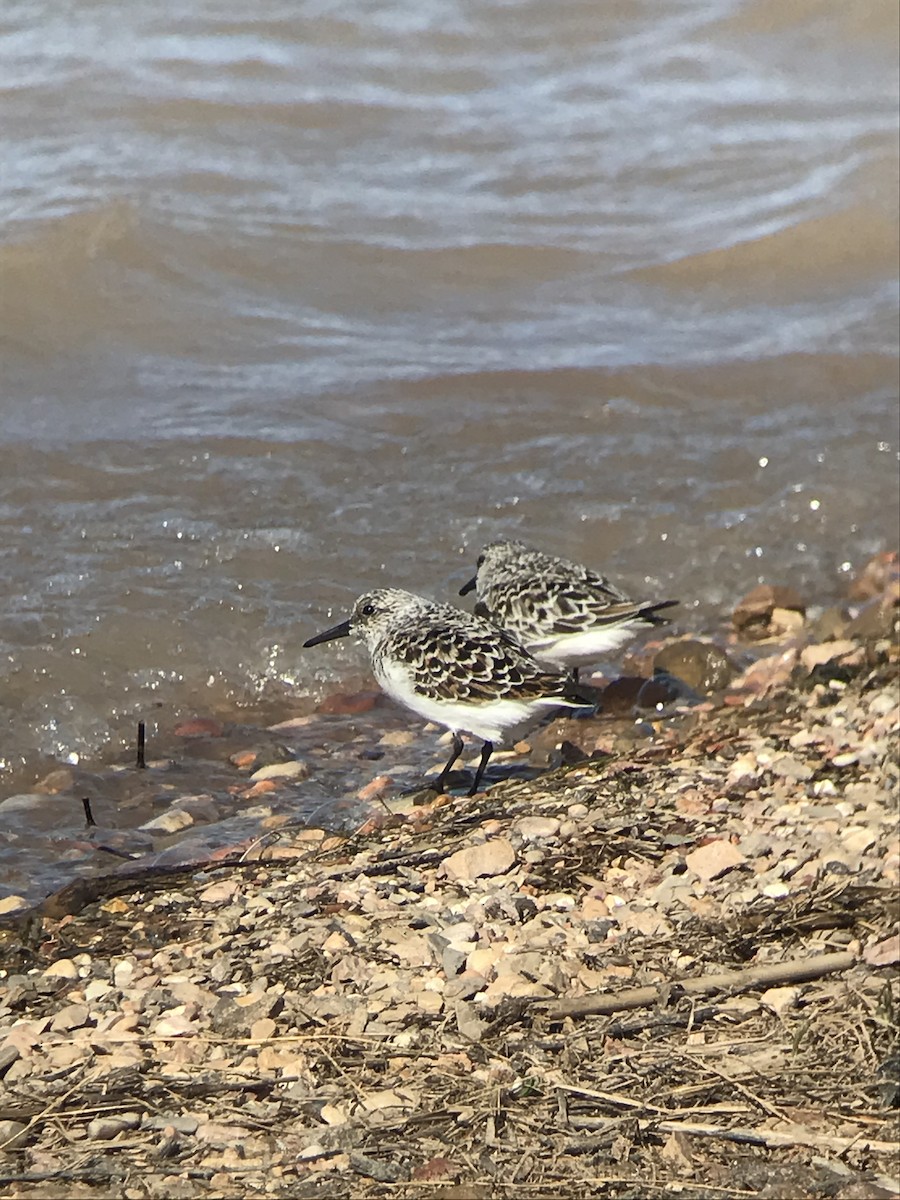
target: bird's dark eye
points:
(368, 610)
(479, 561)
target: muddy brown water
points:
(301, 299)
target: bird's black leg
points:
(486, 751)
(574, 674)
(438, 785)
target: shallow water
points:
(305, 299)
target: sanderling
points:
(564, 614)
(454, 668)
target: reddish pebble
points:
(347, 704)
(199, 727)
(375, 788)
(243, 759)
(262, 788)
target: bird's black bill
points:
(468, 587)
(336, 631)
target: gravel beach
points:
(665, 967)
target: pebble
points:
(374, 788)
(776, 890)
(818, 655)
(169, 822)
(219, 892)
(701, 665)
(123, 974)
(856, 839)
(753, 614)
(845, 760)
(175, 1121)
(11, 904)
(9, 1053)
(465, 986)
(73, 1016)
(108, 1126)
(789, 767)
(883, 703)
(63, 968)
(492, 858)
(714, 859)
(397, 737)
(536, 829)
(884, 953)
(26, 802)
(285, 770)
(11, 1135)
(779, 999)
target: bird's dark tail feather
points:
(648, 613)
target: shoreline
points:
(407, 1011)
(216, 780)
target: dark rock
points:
(568, 754)
(621, 695)
(701, 665)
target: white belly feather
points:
(502, 720)
(579, 649)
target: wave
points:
(852, 248)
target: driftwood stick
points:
(798, 1136)
(796, 970)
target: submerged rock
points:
(753, 615)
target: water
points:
(313, 297)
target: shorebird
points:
(454, 668)
(564, 614)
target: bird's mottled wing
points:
(475, 665)
(534, 608)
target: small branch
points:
(88, 815)
(794, 971)
(141, 741)
(773, 1139)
